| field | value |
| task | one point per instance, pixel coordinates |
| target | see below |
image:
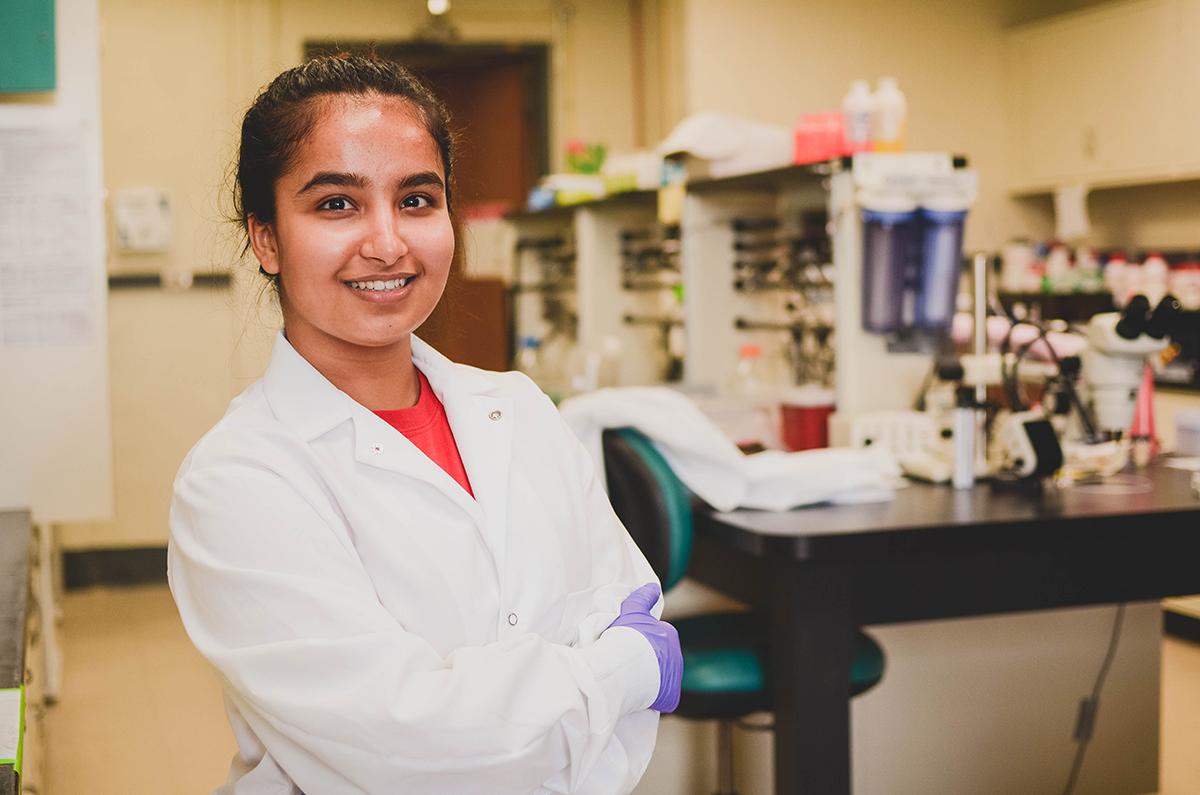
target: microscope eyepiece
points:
(1164, 317)
(1133, 320)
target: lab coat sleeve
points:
(343, 698)
(618, 567)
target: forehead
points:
(366, 134)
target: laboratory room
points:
(651, 397)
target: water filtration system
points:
(898, 222)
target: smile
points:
(381, 286)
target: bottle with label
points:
(758, 424)
(1116, 275)
(529, 359)
(858, 110)
(1155, 275)
(891, 116)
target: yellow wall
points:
(176, 78)
(787, 58)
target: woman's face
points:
(362, 239)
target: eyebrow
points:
(348, 180)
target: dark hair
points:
(285, 111)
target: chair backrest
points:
(652, 503)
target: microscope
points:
(1114, 361)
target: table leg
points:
(812, 648)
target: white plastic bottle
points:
(751, 374)
(1087, 270)
(757, 400)
(891, 116)
(1060, 274)
(529, 359)
(1155, 276)
(858, 108)
(1116, 277)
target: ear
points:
(262, 241)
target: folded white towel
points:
(712, 466)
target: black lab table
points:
(932, 553)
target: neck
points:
(376, 377)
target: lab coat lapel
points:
(378, 444)
(482, 423)
(482, 426)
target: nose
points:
(383, 238)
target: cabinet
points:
(763, 266)
(1105, 96)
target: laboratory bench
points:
(18, 653)
(932, 553)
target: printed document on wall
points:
(47, 284)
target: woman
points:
(403, 569)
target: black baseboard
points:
(135, 566)
(1181, 625)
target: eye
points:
(335, 203)
(417, 200)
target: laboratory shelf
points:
(1071, 307)
(566, 211)
(774, 179)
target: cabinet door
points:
(1096, 94)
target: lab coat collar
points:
(479, 416)
(311, 406)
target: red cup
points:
(804, 417)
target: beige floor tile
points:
(137, 699)
(141, 714)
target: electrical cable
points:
(1086, 721)
(1012, 381)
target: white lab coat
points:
(378, 631)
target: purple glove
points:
(635, 614)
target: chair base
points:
(725, 758)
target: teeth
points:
(391, 284)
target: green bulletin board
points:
(27, 45)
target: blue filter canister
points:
(889, 224)
(941, 219)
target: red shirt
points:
(426, 426)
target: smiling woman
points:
(404, 569)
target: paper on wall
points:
(47, 283)
(1071, 222)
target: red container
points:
(805, 418)
(819, 137)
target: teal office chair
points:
(726, 656)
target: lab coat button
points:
(495, 415)
(512, 619)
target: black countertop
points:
(14, 590)
(940, 514)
